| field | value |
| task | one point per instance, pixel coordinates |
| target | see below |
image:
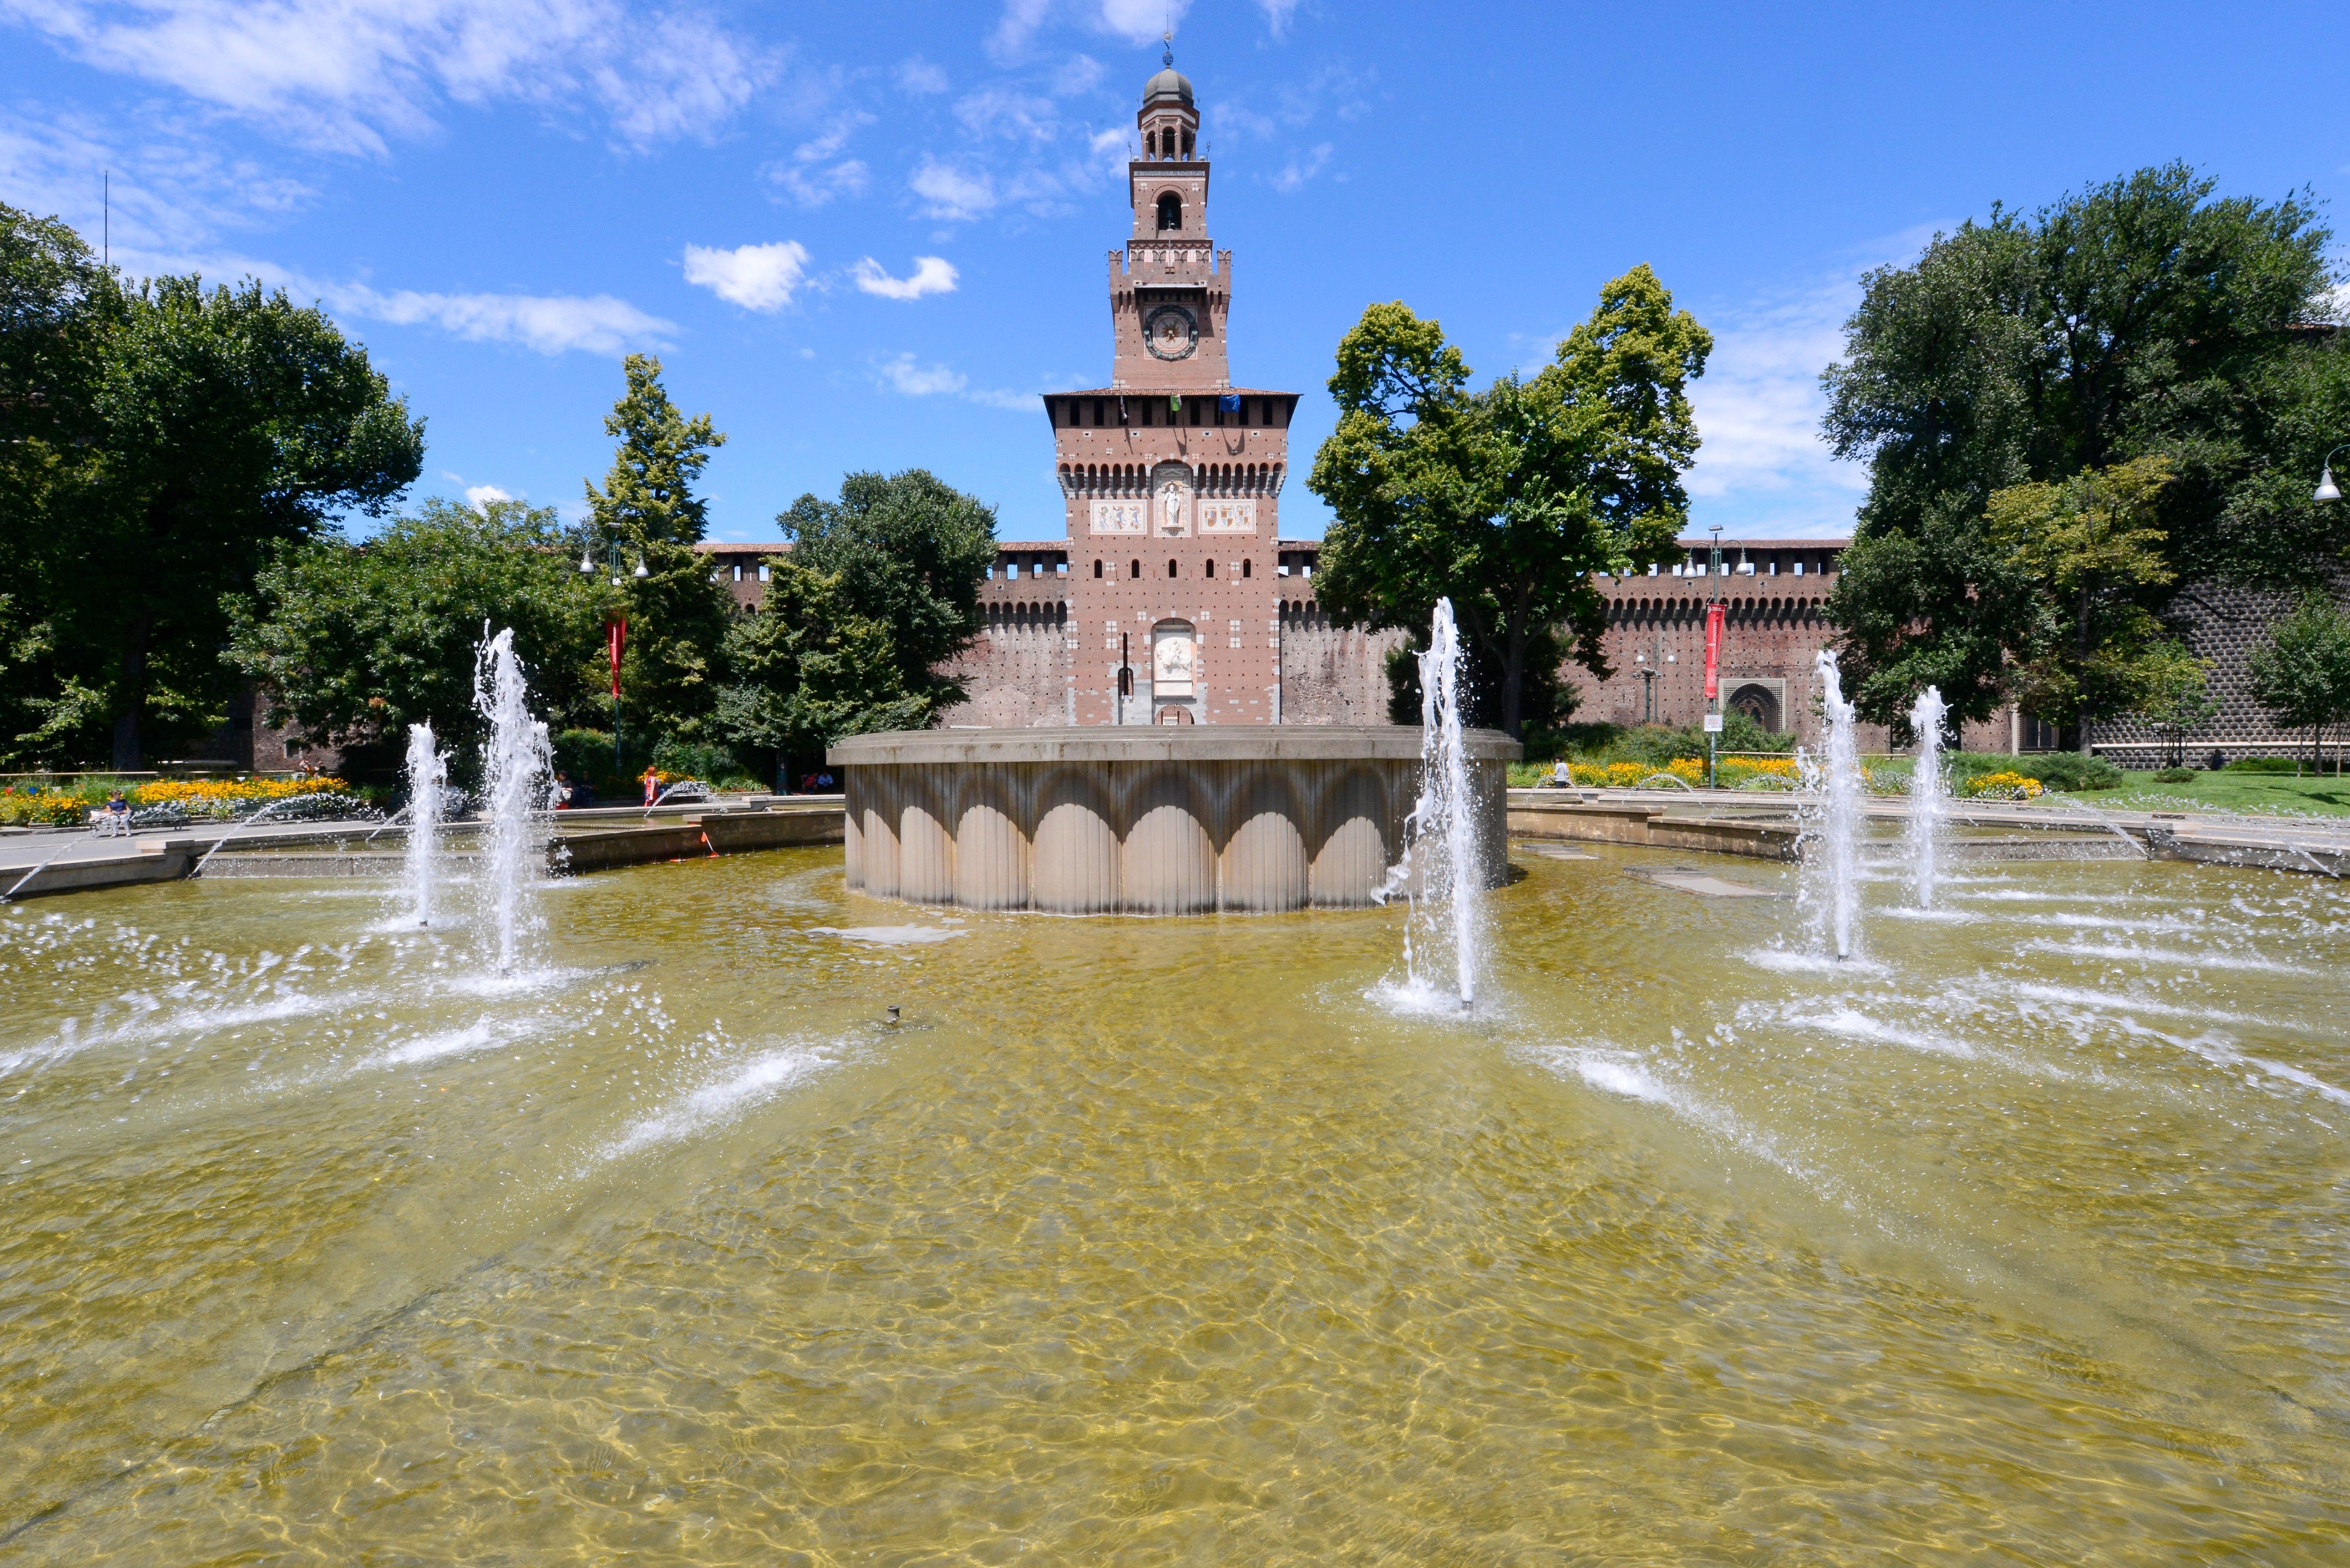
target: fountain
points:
(517, 790)
(1829, 892)
(1442, 871)
(428, 772)
(1164, 820)
(1929, 793)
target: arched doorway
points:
(1758, 702)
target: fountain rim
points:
(1151, 744)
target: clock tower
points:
(1172, 474)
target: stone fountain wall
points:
(1136, 820)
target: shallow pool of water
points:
(1150, 1240)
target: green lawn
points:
(2278, 794)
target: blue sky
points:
(865, 236)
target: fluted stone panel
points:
(1162, 822)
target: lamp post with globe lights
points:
(616, 626)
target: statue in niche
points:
(1171, 498)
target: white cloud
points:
(953, 194)
(1079, 74)
(905, 375)
(1764, 465)
(1299, 169)
(1136, 20)
(1140, 21)
(344, 75)
(550, 324)
(816, 173)
(932, 275)
(479, 496)
(756, 277)
(1276, 15)
(918, 75)
(909, 377)
(1018, 23)
(1006, 112)
(169, 195)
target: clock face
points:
(1172, 332)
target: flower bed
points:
(2000, 786)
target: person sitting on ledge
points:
(562, 791)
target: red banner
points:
(617, 632)
(1712, 652)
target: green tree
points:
(909, 552)
(355, 642)
(1505, 501)
(224, 422)
(673, 665)
(2177, 699)
(2302, 674)
(2088, 547)
(810, 668)
(2143, 318)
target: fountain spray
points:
(1443, 867)
(517, 787)
(1831, 886)
(1929, 793)
(428, 771)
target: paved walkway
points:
(21, 851)
(2326, 837)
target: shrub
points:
(710, 762)
(2070, 771)
(2176, 775)
(2263, 765)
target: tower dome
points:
(1169, 85)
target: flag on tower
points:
(1174, 403)
(1230, 402)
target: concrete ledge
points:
(148, 861)
(1639, 823)
(1161, 743)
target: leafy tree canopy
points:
(909, 552)
(2143, 318)
(1507, 499)
(677, 617)
(356, 642)
(810, 668)
(156, 444)
(2302, 675)
(2092, 557)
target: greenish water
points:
(1167, 1242)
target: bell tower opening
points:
(1170, 212)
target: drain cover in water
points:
(1687, 879)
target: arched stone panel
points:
(1264, 859)
(1352, 848)
(1074, 865)
(1169, 863)
(991, 852)
(925, 855)
(878, 836)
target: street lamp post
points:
(615, 626)
(1713, 616)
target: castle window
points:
(1170, 568)
(1244, 570)
(1096, 568)
(1097, 413)
(1170, 211)
(1186, 144)
(1211, 568)
(1134, 569)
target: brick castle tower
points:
(1172, 475)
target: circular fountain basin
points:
(1158, 820)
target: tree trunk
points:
(1513, 683)
(132, 694)
(2080, 656)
